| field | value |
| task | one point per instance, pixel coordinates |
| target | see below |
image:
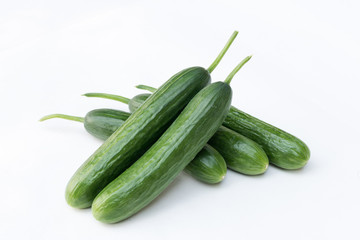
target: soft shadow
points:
(310, 166)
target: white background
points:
(303, 77)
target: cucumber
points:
(100, 123)
(208, 166)
(137, 134)
(240, 153)
(159, 166)
(283, 149)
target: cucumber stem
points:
(236, 69)
(146, 87)
(108, 96)
(222, 53)
(63, 116)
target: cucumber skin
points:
(240, 153)
(101, 123)
(283, 149)
(208, 166)
(158, 167)
(137, 100)
(135, 136)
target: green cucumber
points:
(283, 149)
(138, 133)
(208, 166)
(240, 153)
(159, 166)
(100, 123)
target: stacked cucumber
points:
(186, 124)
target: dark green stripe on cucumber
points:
(137, 134)
(159, 166)
(240, 153)
(283, 149)
(208, 166)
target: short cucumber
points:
(103, 122)
(240, 153)
(100, 123)
(159, 166)
(283, 149)
(208, 166)
(138, 133)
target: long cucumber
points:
(240, 153)
(138, 133)
(159, 166)
(283, 149)
(208, 166)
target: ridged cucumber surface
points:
(138, 133)
(102, 123)
(135, 136)
(283, 149)
(208, 166)
(159, 166)
(240, 153)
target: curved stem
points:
(108, 96)
(63, 116)
(147, 88)
(222, 53)
(236, 69)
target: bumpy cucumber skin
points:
(208, 166)
(135, 136)
(283, 149)
(136, 101)
(240, 153)
(158, 167)
(101, 123)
